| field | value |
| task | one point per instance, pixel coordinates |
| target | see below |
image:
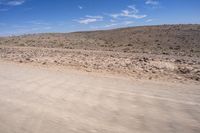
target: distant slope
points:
(165, 39)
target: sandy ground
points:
(40, 100)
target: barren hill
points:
(165, 39)
(170, 51)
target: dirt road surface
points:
(38, 100)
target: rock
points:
(44, 63)
(150, 78)
(153, 71)
(179, 78)
(178, 61)
(183, 70)
(27, 59)
(196, 78)
(145, 59)
(88, 70)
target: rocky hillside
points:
(182, 40)
(167, 52)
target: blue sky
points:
(37, 16)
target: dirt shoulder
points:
(137, 65)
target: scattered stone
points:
(27, 59)
(183, 70)
(178, 61)
(145, 59)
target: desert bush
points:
(21, 44)
(130, 44)
(61, 45)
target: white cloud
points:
(12, 2)
(16, 2)
(87, 21)
(90, 19)
(97, 17)
(149, 20)
(134, 9)
(47, 28)
(37, 22)
(128, 22)
(80, 7)
(152, 2)
(130, 12)
(120, 24)
(110, 25)
(112, 20)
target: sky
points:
(43, 16)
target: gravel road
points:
(40, 100)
